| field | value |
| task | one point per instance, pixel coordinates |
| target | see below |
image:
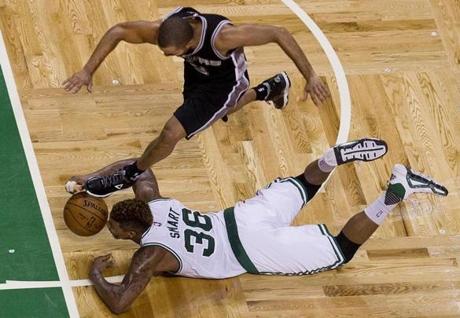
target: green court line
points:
(25, 252)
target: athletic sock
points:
(327, 162)
(379, 209)
(262, 91)
(132, 171)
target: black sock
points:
(261, 91)
(132, 171)
(348, 247)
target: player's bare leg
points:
(403, 183)
(163, 145)
(158, 149)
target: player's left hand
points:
(102, 262)
(316, 89)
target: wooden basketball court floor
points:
(402, 61)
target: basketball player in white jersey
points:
(255, 236)
(216, 80)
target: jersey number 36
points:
(200, 221)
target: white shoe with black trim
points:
(404, 182)
(366, 149)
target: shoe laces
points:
(113, 179)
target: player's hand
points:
(102, 262)
(77, 80)
(316, 89)
(75, 185)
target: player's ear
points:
(131, 234)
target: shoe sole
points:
(286, 91)
(417, 180)
(98, 195)
(366, 149)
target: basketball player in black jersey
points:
(216, 81)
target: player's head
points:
(175, 36)
(129, 218)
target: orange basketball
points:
(85, 215)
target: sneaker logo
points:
(118, 186)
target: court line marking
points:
(342, 136)
(26, 284)
(342, 84)
(37, 180)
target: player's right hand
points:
(77, 80)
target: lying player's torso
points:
(198, 241)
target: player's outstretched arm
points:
(131, 32)
(119, 297)
(232, 37)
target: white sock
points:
(327, 162)
(379, 209)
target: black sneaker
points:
(366, 149)
(103, 186)
(278, 90)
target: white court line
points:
(345, 120)
(344, 92)
(37, 180)
(19, 284)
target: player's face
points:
(176, 51)
(117, 231)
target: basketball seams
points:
(78, 206)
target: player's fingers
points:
(320, 95)
(315, 99)
(68, 85)
(325, 90)
(90, 87)
(76, 88)
(66, 81)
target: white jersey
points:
(198, 241)
(255, 236)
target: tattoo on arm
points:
(118, 297)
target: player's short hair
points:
(174, 31)
(132, 213)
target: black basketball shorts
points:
(205, 104)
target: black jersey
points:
(205, 65)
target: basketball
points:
(85, 215)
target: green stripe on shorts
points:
(235, 243)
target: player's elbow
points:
(117, 310)
(281, 33)
(119, 307)
(117, 32)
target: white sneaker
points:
(365, 149)
(403, 182)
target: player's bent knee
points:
(348, 247)
(311, 189)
